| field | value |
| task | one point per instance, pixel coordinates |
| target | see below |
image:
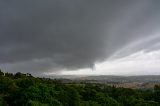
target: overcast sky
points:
(82, 37)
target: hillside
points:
(25, 90)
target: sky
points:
(80, 37)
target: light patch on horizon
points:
(139, 63)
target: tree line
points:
(25, 90)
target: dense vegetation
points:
(25, 90)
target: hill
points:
(26, 90)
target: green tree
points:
(1, 73)
(36, 103)
(89, 103)
(105, 100)
(2, 102)
(157, 93)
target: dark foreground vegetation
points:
(25, 90)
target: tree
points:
(2, 102)
(19, 75)
(1, 73)
(89, 103)
(105, 100)
(10, 75)
(36, 103)
(157, 93)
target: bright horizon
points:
(139, 63)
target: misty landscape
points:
(80, 53)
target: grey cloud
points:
(70, 34)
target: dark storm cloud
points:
(45, 35)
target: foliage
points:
(25, 90)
